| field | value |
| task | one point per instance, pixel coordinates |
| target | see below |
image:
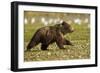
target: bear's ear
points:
(63, 23)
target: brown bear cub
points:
(50, 34)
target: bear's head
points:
(66, 28)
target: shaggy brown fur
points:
(49, 34)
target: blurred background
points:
(47, 18)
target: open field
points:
(80, 39)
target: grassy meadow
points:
(80, 39)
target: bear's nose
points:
(72, 29)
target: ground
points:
(80, 39)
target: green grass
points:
(80, 39)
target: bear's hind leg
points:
(44, 46)
(30, 45)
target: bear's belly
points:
(47, 40)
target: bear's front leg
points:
(67, 42)
(60, 44)
(60, 41)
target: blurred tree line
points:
(46, 18)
